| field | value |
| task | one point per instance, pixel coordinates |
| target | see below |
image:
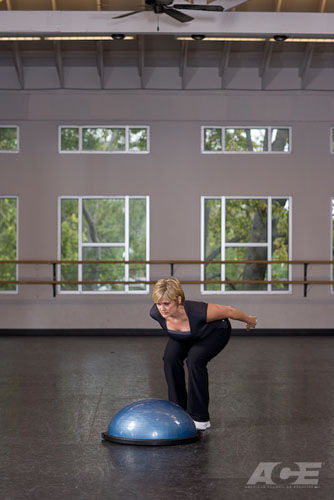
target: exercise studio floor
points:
(272, 407)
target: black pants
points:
(198, 354)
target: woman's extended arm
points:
(216, 312)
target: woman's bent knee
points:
(196, 362)
(172, 361)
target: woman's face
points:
(168, 307)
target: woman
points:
(197, 332)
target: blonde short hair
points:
(170, 287)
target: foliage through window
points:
(8, 242)
(104, 229)
(246, 140)
(91, 139)
(9, 139)
(245, 229)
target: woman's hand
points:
(251, 322)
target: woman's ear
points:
(179, 300)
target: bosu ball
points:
(151, 422)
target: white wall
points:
(175, 175)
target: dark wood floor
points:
(272, 401)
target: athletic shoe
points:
(202, 426)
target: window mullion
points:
(103, 245)
(17, 241)
(80, 139)
(127, 139)
(223, 240)
(127, 242)
(147, 240)
(80, 244)
(269, 138)
(269, 253)
(202, 274)
(242, 245)
(290, 240)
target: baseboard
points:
(153, 332)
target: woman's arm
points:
(216, 312)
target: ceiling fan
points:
(173, 10)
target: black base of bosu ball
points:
(151, 422)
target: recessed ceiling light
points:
(19, 38)
(87, 38)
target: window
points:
(245, 229)
(103, 229)
(107, 140)
(8, 241)
(9, 139)
(246, 140)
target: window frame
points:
(267, 245)
(224, 127)
(12, 151)
(14, 292)
(126, 151)
(126, 290)
(331, 219)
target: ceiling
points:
(155, 58)
(124, 5)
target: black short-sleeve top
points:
(199, 327)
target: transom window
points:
(245, 229)
(8, 241)
(9, 139)
(106, 139)
(104, 229)
(246, 140)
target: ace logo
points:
(301, 474)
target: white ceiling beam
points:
(223, 65)
(141, 59)
(268, 48)
(100, 62)
(306, 63)
(58, 54)
(183, 62)
(226, 23)
(59, 64)
(18, 63)
(266, 58)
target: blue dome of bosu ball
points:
(151, 422)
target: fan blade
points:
(215, 8)
(179, 16)
(129, 13)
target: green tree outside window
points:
(8, 239)
(8, 138)
(246, 140)
(103, 229)
(104, 139)
(242, 233)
